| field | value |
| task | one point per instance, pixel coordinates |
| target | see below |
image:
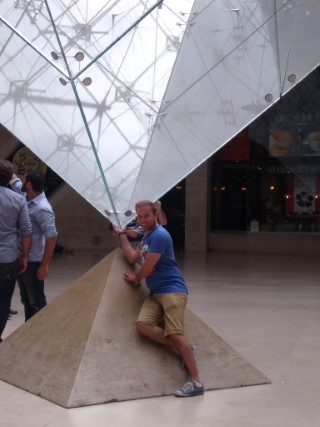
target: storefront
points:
(267, 179)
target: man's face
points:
(146, 218)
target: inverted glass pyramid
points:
(125, 98)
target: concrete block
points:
(83, 348)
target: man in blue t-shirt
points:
(168, 291)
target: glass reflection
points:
(123, 99)
(268, 178)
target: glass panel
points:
(92, 118)
(211, 101)
(38, 110)
(297, 30)
(123, 99)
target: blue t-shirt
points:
(166, 277)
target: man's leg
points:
(174, 341)
(151, 314)
(31, 290)
(155, 333)
(8, 274)
(28, 312)
(185, 349)
(174, 308)
(180, 343)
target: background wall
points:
(80, 226)
(196, 215)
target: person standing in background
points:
(44, 237)
(14, 226)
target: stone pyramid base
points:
(83, 348)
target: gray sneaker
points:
(190, 389)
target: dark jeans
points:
(8, 277)
(31, 290)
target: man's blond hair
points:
(143, 203)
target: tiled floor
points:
(267, 307)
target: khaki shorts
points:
(167, 308)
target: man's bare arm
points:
(145, 271)
(131, 254)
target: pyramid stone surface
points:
(83, 348)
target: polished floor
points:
(266, 306)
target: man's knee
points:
(177, 339)
(141, 327)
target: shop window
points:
(267, 179)
(265, 197)
(277, 188)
